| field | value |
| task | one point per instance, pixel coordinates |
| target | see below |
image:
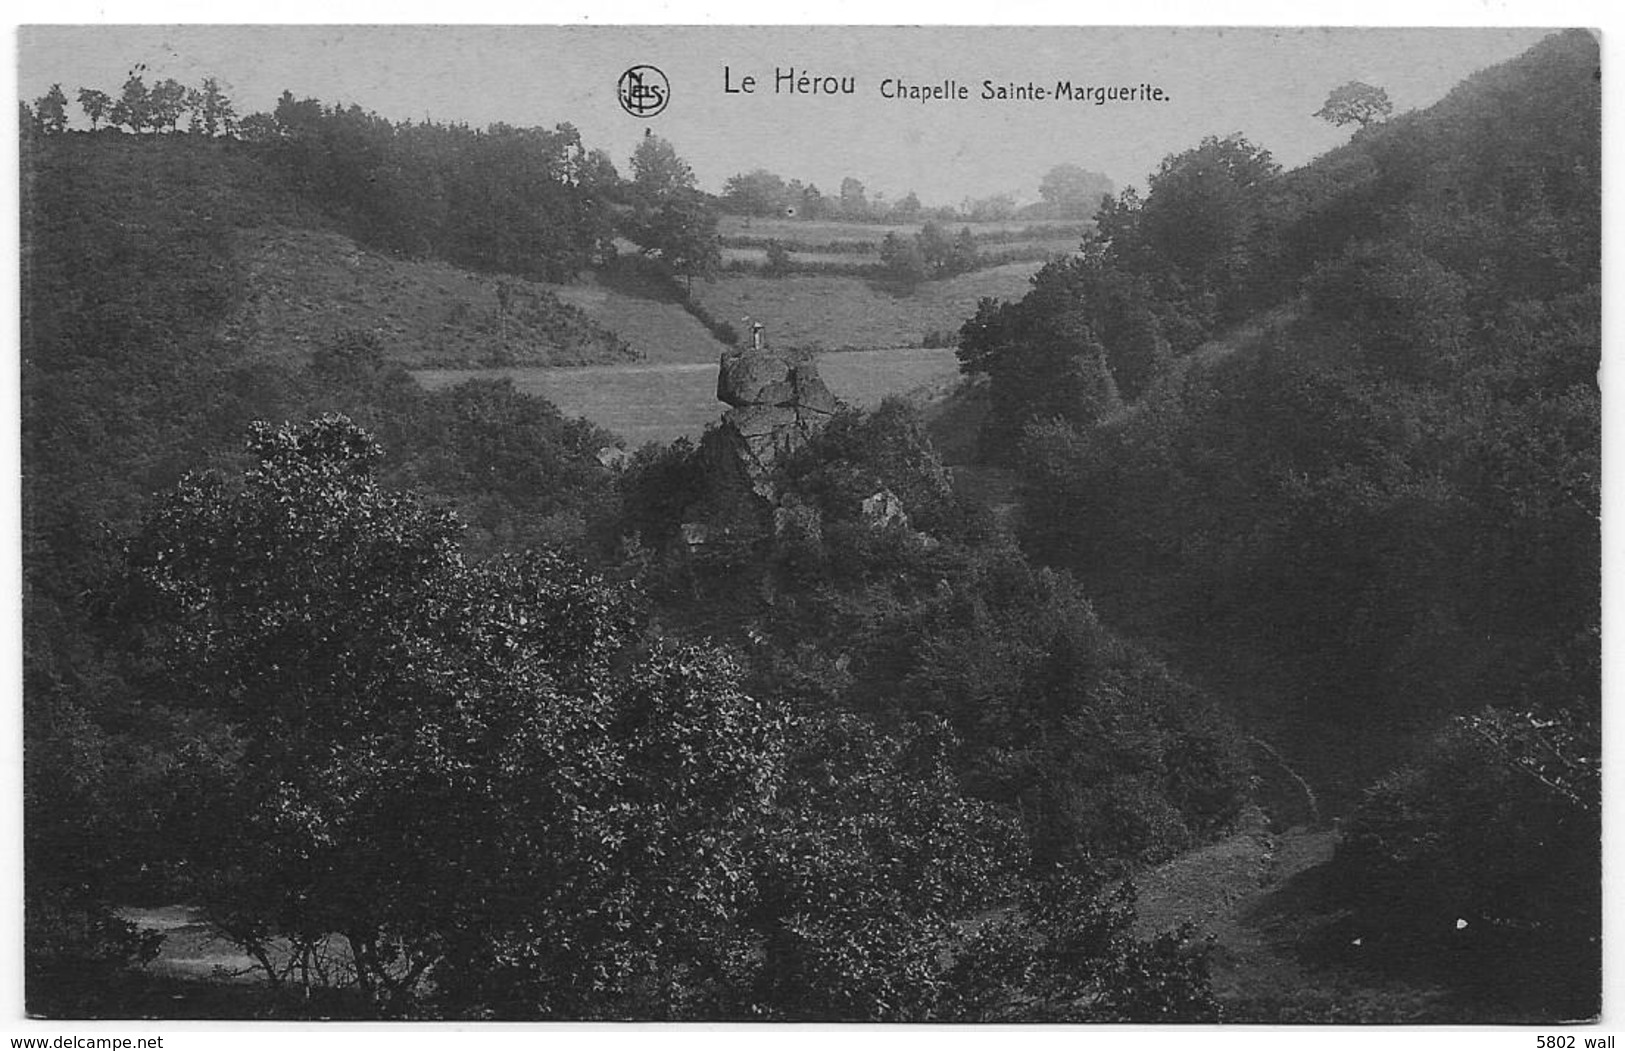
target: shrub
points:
(1481, 861)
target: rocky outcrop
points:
(777, 402)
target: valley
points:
(1193, 615)
(662, 402)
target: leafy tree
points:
(192, 103)
(259, 128)
(96, 104)
(134, 105)
(1355, 103)
(469, 768)
(908, 209)
(1044, 361)
(1072, 192)
(167, 101)
(962, 256)
(854, 204)
(872, 859)
(51, 110)
(298, 118)
(658, 172)
(81, 817)
(671, 220)
(778, 258)
(759, 192)
(679, 230)
(1202, 216)
(597, 175)
(1406, 311)
(903, 260)
(935, 248)
(808, 201)
(1108, 756)
(214, 110)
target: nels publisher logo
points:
(643, 91)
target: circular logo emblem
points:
(643, 91)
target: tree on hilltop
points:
(167, 101)
(51, 110)
(134, 105)
(1355, 103)
(96, 104)
(657, 171)
(212, 111)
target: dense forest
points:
(441, 706)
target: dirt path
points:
(1223, 889)
(1258, 894)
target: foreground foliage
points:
(481, 789)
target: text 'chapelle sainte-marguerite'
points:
(791, 80)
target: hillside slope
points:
(300, 286)
(295, 281)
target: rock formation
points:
(777, 402)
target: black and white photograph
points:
(630, 523)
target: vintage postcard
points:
(695, 524)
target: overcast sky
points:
(1265, 83)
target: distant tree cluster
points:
(1071, 192)
(762, 193)
(1067, 191)
(141, 108)
(527, 201)
(928, 254)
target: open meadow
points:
(654, 326)
(734, 228)
(659, 402)
(831, 312)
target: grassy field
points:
(827, 231)
(825, 312)
(657, 403)
(656, 327)
(758, 257)
(1040, 250)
